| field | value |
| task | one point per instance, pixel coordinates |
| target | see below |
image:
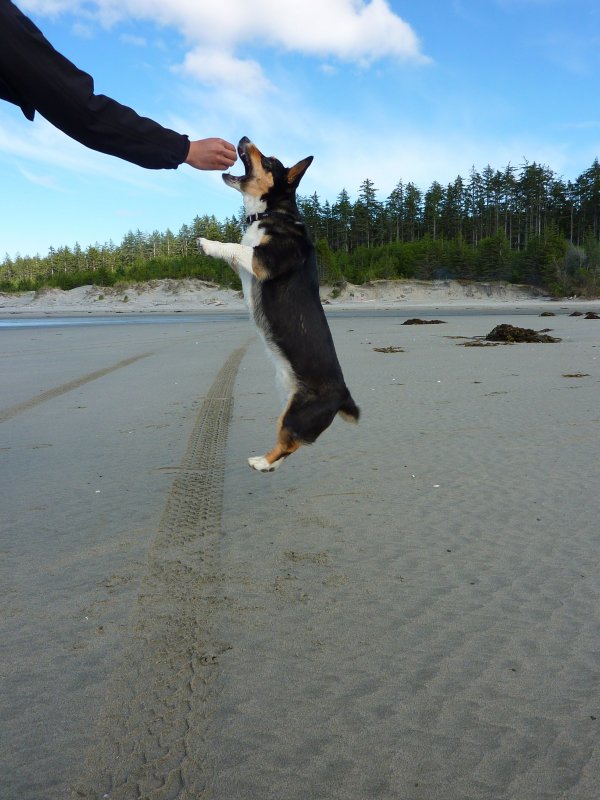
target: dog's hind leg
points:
(287, 444)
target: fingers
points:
(211, 154)
(229, 154)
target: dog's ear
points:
(296, 172)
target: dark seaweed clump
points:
(514, 335)
(416, 321)
(391, 349)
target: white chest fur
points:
(285, 375)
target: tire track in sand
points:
(150, 741)
(57, 391)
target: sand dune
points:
(194, 295)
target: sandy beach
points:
(406, 610)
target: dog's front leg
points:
(238, 256)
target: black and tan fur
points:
(277, 266)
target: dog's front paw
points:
(205, 246)
(261, 464)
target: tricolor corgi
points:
(278, 269)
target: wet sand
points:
(407, 609)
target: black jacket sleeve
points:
(36, 77)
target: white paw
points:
(261, 464)
(204, 245)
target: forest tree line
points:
(524, 225)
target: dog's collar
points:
(255, 217)
(262, 214)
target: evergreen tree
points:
(365, 212)
(342, 222)
(185, 239)
(434, 199)
(475, 205)
(412, 204)
(452, 211)
(493, 259)
(395, 213)
(310, 209)
(589, 198)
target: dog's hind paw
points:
(261, 464)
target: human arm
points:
(37, 77)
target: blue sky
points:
(397, 90)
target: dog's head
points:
(266, 180)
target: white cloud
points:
(135, 41)
(328, 69)
(359, 31)
(47, 181)
(48, 7)
(83, 30)
(219, 68)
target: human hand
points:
(211, 154)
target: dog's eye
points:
(266, 163)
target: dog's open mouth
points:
(243, 153)
(245, 158)
(242, 149)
